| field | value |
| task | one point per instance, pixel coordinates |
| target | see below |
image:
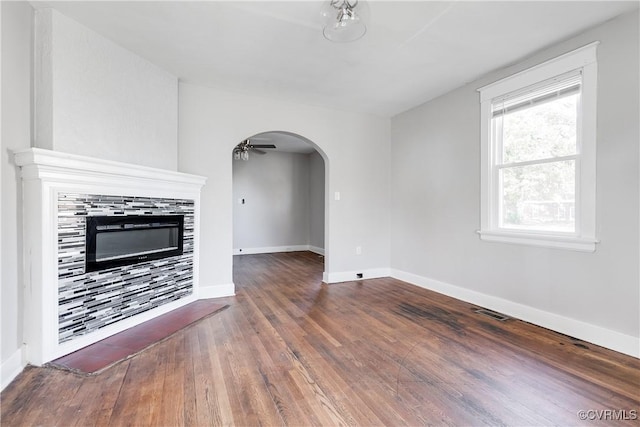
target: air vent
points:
(494, 315)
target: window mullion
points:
(537, 162)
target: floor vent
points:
(492, 314)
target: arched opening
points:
(279, 195)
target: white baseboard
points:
(271, 249)
(349, 276)
(598, 335)
(316, 250)
(11, 368)
(218, 291)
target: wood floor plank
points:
(210, 393)
(65, 389)
(140, 391)
(109, 388)
(171, 401)
(291, 350)
(23, 395)
(191, 344)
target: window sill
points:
(580, 244)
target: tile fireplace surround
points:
(67, 308)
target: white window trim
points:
(584, 239)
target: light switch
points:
(337, 195)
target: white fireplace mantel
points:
(45, 174)
(37, 163)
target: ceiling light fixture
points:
(343, 24)
(241, 151)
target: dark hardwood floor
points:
(293, 351)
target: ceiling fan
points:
(241, 151)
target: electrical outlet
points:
(358, 250)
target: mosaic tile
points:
(90, 301)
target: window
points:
(538, 154)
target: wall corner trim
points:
(12, 367)
(594, 334)
(316, 250)
(217, 291)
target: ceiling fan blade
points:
(262, 146)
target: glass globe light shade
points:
(343, 21)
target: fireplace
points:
(107, 246)
(120, 256)
(116, 241)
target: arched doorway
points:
(279, 195)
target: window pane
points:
(539, 197)
(541, 131)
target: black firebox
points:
(115, 241)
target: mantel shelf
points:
(38, 162)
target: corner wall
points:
(436, 207)
(17, 53)
(96, 99)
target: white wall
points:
(16, 134)
(436, 194)
(97, 99)
(91, 98)
(316, 201)
(283, 206)
(356, 146)
(275, 190)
